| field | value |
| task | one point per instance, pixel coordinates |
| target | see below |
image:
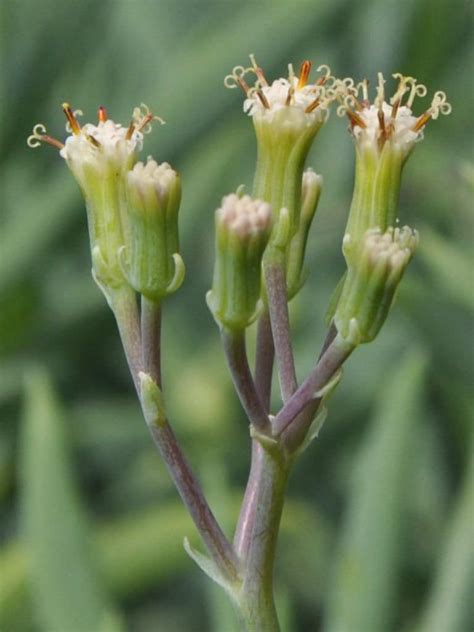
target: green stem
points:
(151, 336)
(123, 302)
(255, 599)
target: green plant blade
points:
(66, 590)
(449, 605)
(363, 594)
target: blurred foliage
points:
(388, 477)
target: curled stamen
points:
(102, 114)
(403, 87)
(142, 117)
(379, 99)
(439, 105)
(236, 79)
(71, 118)
(258, 71)
(39, 136)
(327, 74)
(417, 90)
(304, 74)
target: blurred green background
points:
(376, 533)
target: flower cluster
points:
(132, 209)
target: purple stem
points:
(243, 532)
(331, 360)
(265, 353)
(190, 491)
(236, 355)
(275, 282)
(146, 357)
(151, 336)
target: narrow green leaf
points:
(67, 591)
(449, 605)
(364, 590)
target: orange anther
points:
(72, 120)
(102, 114)
(304, 74)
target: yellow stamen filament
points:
(72, 120)
(93, 140)
(130, 131)
(312, 106)
(304, 74)
(243, 85)
(355, 119)
(102, 114)
(421, 122)
(395, 107)
(383, 131)
(263, 99)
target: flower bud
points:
(243, 228)
(310, 193)
(375, 270)
(150, 258)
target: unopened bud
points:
(310, 193)
(374, 274)
(151, 261)
(243, 228)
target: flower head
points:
(150, 258)
(385, 133)
(375, 270)
(243, 227)
(388, 120)
(293, 101)
(287, 114)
